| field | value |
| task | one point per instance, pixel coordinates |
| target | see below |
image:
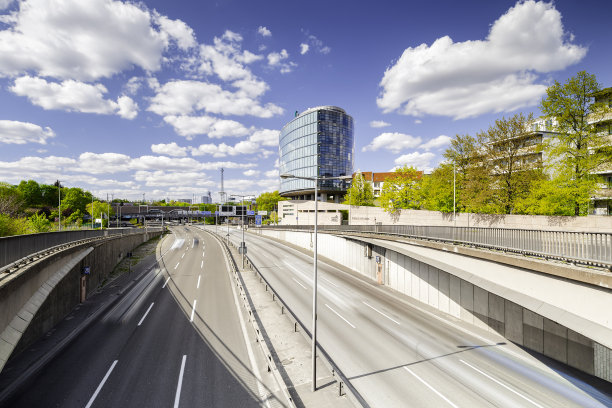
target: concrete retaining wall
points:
(39, 296)
(464, 300)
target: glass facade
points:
(318, 142)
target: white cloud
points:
(265, 137)
(177, 30)
(128, 109)
(82, 40)
(36, 167)
(436, 142)
(177, 179)
(251, 173)
(264, 31)
(379, 124)
(313, 43)
(277, 59)
(102, 163)
(394, 142)
(184, 97)
(223, 150)
(133, 85)
(304, 48)
(13, 132)
(73, 96)
(418, 121)
(4, 4)
(190, 126)
(272, 173)
(498, 74)
(169, 149)
(421, 161)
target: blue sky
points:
(155, 97)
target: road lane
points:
(153, 347)
(374, 353)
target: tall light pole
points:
(314, 273)
(59, 204)
(242, 244)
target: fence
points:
(591, 248)
(16, 247)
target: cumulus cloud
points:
(304, 48)
(184, 97)
(176, 30)
(190, 126)
(14, 132)
(497, 74)
(169, 149)
(277, 60)
(253, 145)
(436, 142)
(73, 96)
(394, 142)
(161, 178)
(421, 161)
(251, 173)
(102, 163)
(264, 32)
(265, 137)
(73, 39)
(379, 124)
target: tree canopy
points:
(360, 192)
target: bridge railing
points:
(17, 247)
(592, 248)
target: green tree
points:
(31, 192)
(360, 192)
(578, 149)
(508, 155)
(13, 226)
(268, 201)
(472, 177)
(48, 194)
(39, 223)
(437, 189)
(98, 210)
(402, 190)
(552, 197)
(11, 201)
(74, 199)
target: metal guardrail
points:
(344, 385)
(588, 248)
(19, 250)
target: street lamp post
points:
(316, 179)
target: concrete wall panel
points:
(580, 353)
(513, 318)
(455, 296)
(555, 340)
(444, 295)
(481, 307)
(467, 302)
(533, 331)
(433, 287)
(497, 314)
(423, 282)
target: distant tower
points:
(222, 192)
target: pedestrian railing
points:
(589, 248)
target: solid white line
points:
(93, 397)
(376, 310)
(296, 281)
(201, 264)
(193, 246)
(180, 383)
(198, 287)
(193, 310)
(430, 387)
(500, 383)
(146, 313)
(182, 256)
(338, 314)
(166, 282)
(177, 265)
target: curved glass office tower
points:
(317, 142)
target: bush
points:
(13, 226)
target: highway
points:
(400, 353)
(176, 339)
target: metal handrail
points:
(588, 248)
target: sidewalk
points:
(290, 350)
(14, 377)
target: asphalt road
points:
(400, 353)
(176, 339)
